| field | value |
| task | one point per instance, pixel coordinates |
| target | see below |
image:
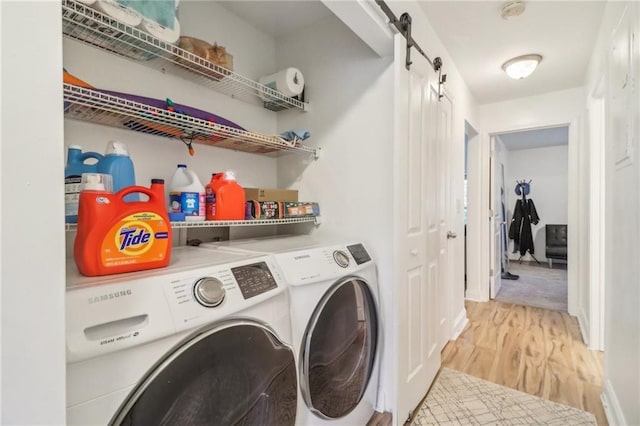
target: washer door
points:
(339, 349)
(236, 373)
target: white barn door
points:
(416, 230)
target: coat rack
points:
(524, 215)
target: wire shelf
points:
(92, 27)
(225, 223)
(101, 108)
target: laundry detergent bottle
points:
(118, 164)
(77, 164)
(115, 236)
(229, 197)
(187, 194)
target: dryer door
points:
(237, 372)
(339, 348)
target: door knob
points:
(451, 234)
(414, 252)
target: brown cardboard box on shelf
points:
(262, 194)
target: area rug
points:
(537, 286)
(459, 399)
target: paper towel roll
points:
(289, 81)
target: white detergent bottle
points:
(196, 185)
(179, 181)
(186, 194)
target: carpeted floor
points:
(537, 286)
(459, 399)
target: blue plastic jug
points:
(117, 163)
(73, 171)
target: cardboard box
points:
(262, 194)
(301, 209)
(263, 210)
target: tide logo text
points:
(131, 239)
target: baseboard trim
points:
(473, 296)
(459, 324)
(611, 405)
(583, 322)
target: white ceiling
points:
(279, 18)
(480, 41)
(538, 138)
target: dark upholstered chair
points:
(556, 244)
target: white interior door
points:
(443, 131)
(495, 223)
(416, 230)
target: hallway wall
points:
(622, 200)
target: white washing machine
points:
(335, 324)
(204, 341)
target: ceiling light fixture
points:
(512, 9)
(522, 66)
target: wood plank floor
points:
(533, 350)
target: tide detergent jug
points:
(116, 236)
(76, 166)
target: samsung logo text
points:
(110, 296)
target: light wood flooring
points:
(533, 350)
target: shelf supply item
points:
(115, 236)
(96, 182)
(227, 199)
(186, 194)
(271, 194)
(289, 81)
(117, 163)
(119, 12)
(161, 32)
(77, 164)
(210, 197)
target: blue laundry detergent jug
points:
(118, 164)
(76, 166)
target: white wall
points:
(549, 109)
(31, 216)
(622, 293)
(547, 168)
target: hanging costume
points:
(524, 215)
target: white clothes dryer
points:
(335, 323)
(203, 341)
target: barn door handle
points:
(451, 235)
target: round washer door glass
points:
(232, 374)
(339, 348)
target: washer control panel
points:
(254, 279)
(209, 292)
(359, 253)
(341, 258)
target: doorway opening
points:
(470, 135)
(529, 199)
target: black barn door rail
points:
(404, 27)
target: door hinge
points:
(491, 272)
